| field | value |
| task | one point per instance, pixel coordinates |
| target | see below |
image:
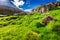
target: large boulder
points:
(47, 20)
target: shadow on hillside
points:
(54, 9)
(40, 25)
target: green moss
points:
(30, 27)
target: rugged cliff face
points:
(46, 7)
(6, 10)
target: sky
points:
(26, 5)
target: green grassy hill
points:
(30, 27)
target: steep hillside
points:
(31, 27)
(46, 7)
(6, 10)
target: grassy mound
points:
(30, 27)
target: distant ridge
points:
(6, 10)
(46, 7)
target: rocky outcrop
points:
(47, 20)
(6, 10)
(46, 7)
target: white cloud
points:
(28, 10)
(57, 0)
(21, 8)
(6, 2)
(3, 0)
(18, 3)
